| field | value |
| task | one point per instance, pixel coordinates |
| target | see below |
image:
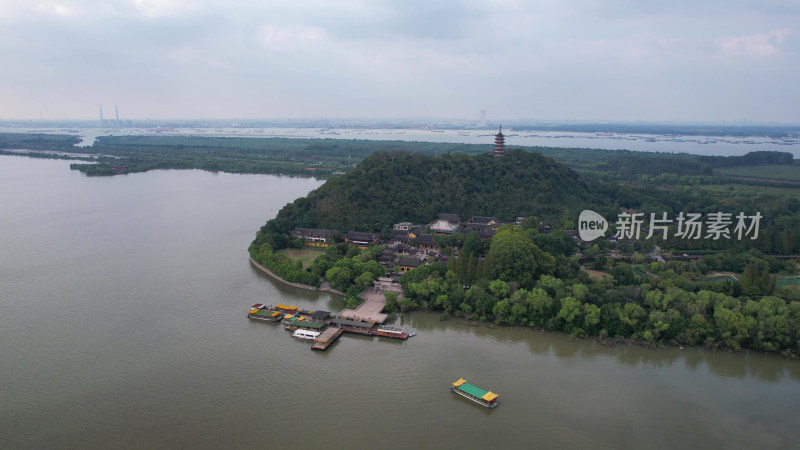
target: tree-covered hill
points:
(386, 188)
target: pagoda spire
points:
(499, 143)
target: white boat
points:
(305, 334)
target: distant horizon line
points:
(419, 121)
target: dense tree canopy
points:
(513, 257)
(390, 187)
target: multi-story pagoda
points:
(499, 143)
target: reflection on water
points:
(747, 364)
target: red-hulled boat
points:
(391, 332)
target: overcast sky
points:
(616, 60)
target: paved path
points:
(370, 310)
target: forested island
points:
(718, 293)
(532, 271)
(326, 158)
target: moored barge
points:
(391, 332)
(474, 393)
(286, 309)
(262, 312)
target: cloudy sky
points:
(616, 60)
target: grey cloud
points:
(586, 59)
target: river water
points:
(123, 325)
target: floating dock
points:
(365, 320)
(328, 337)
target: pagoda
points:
(499, 143)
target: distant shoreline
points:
(297, 285)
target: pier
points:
(327, 338)
(366, 319)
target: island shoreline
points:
(290, 283)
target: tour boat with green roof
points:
(474, 393)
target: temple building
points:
(499, 143)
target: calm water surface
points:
(123, 326)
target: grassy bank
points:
(305, 255)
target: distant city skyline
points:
(589, 60)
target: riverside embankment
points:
(324, 288)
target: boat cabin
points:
(305, 334)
